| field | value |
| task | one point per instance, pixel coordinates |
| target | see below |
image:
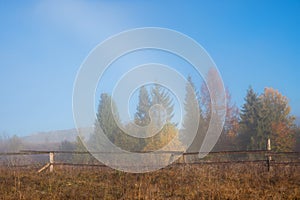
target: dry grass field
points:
(222, 181)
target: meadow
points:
(179, 181)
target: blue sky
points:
(43, 44)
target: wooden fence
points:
(268, 157)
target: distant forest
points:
(262, 116)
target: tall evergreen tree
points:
(142, 117)
(160, 96)
(248, 138)
(160, 118)
(192, 113)
(106, 120)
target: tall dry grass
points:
(222, 181)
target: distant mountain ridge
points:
(56, 136)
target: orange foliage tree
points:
(276, 121)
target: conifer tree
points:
(142, 117)
(106, 121)
(249, 122)
(192, 113)
(161, 97)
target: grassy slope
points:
(234, 181)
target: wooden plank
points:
(43, 168)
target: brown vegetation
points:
(221, 181)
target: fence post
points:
(51, 160)
(269, 158)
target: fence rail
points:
(32, 152)
(267, 154)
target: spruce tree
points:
(106, 120)
(249, 122)
(142, 117)
(160, 96)
(192, 113)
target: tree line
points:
(262, 116)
